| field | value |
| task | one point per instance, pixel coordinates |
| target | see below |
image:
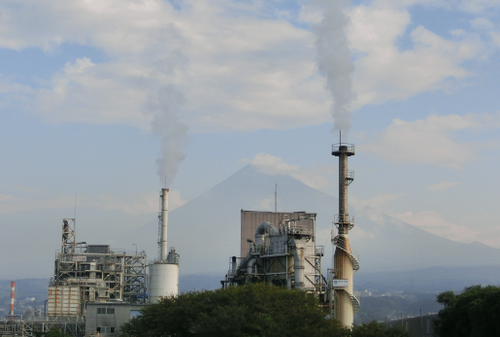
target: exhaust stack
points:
(164, 224)
(164, 272)
(346, 305)
(12, 291)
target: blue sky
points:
(92, 93)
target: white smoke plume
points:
(334, 59)
(165, 108)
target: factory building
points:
(101, 288)
(95, 289)
(86, 273)
(105, 319)
(278, 248)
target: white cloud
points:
(434, 223)
(146, 203)
(238, 68)
(98, 94)
(272, 165)
(10, 204)
(481, 23)
(319, 177)
(240, 65)
(430, 141)
(119, 27)
(265, 204)
(405, 3)
(477, 6)
(175, 200)
(495, 36)
(38, 200)
(376, 202)
(246, 72)
(13, 94)
(470, 6)
(143, 204)
(383, 72)
(441, 186)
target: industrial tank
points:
(163, 281)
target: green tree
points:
(252, 310)
(473, 313)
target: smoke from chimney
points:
(165, 108)
(334, 59)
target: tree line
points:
(251, 310)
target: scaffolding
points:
(93, 273)
(20, 327)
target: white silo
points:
(163, 272)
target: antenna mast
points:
(276, 198)
(76, 199)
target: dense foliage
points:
(252, 310)
(473, 313)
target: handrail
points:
(336, 147)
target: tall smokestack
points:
(164, 224)
(164, 274)
(346, 305)
(12, 291)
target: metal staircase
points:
(340, 243)
(355, 302)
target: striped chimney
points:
(12, 291)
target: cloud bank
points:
(240, 66)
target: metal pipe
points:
(298, 264)
(250, 265)
(342, 185)
(164, 223)
(234, 266)
(265, 227)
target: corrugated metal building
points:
(250, 220)
(278, 248)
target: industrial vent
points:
(98, 249)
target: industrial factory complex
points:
(95, 289)
(280, 248)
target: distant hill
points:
(428, 280)
(206, 230)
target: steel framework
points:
(93, 273)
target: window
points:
(106, 311)
(101, 310)
(106, 329)
(110, 311)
